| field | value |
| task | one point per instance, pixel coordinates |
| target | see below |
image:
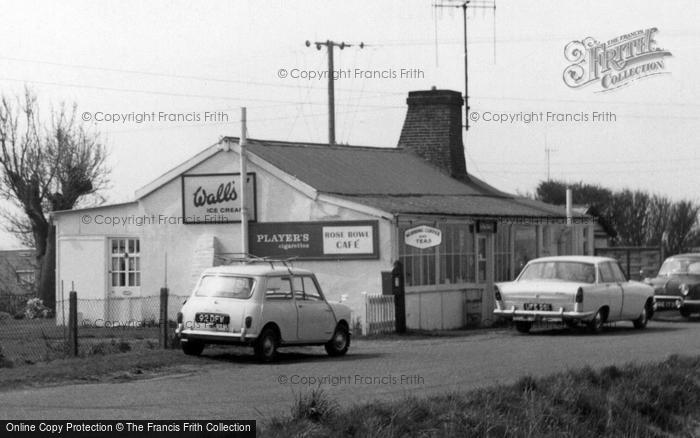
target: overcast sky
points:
(179, 57)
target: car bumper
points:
(535, 315)
(662, 302)
(213, 337)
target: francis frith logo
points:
(616, 62)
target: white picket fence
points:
(380, 316)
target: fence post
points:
(164, 323)
(73, 321)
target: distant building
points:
(18, 277)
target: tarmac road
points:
(238, 388)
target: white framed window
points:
(125, 262)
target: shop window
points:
(451, 262)
(125, 266)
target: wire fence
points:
(101, 326)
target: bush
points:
(35, 309)
(4, 362)
(4, 317)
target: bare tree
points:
(45, 168)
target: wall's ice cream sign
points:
(616, 62)
(216, 198)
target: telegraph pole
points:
(331, 88)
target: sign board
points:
(423, 237)
(216, 198)
(485, 226)
(315, 240)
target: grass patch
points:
(654, 400)
(130, 365)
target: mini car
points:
(677, 285)
(573, 290)
(264, 305)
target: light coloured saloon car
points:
(263, 305)
(574, 290)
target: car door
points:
(280, 307)
(612, 290)
(631, 303)
(316, 319)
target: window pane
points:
(122, 278)
(278, 288)
(131, 279)
(310, 290)
(131, 246)
(115, 279)
(138, 279)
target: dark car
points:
(677, 285)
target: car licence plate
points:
(537, 306)
(662, 305)
(212, 318)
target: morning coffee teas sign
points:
(216, 198)
(315, 240)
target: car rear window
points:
(563, 271)
(225, 286)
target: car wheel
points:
(339, 343)
(266, 346)
(685, 313)
(596, 324)
(523, 326)
(192, 348)
(641, 322)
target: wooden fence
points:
(380, 316)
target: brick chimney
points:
(433, 129)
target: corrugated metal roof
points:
(393, 180)
(458, 206)
(353, 170)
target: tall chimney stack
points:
(433, 130)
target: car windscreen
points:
(225, 286)
(680, 266)
(577, 272)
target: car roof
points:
(256, 269)
(689, 255)
(579, 259)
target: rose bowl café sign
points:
(216, 198)
(423, 237)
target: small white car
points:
(265, 305)
(574, 290)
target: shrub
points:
(4, 317)
(4, 362)
(35, 309)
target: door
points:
(316, 319)
(124, 293)
(611, 290)
(280, 308)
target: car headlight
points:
(685, 289)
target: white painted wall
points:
(190, 247)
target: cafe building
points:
(348, 213)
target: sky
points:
(200, 62)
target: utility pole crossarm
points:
(331, 89)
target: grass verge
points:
(653, 400)
(131, 365)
